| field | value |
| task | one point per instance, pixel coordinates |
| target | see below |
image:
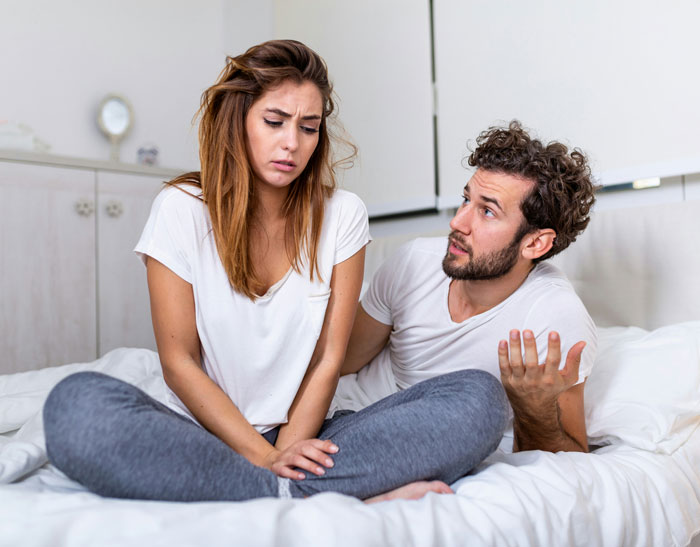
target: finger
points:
(516, 355)
(316, 455)
(531, 357)
(302, 462)
(551, 364)
(503, 362)
(285, 471)
(327, 446)
(573, 361)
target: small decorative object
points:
(147, 154)
(17, 136)
(115, 118)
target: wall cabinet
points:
(71, 288)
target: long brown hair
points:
(226, 177)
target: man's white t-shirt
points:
(409, 292)
(257, 352)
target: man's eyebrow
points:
(487, 199)
(492, 200)
(287, 115)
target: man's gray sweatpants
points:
(119, 442)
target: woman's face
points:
(282, 132)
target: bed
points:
(639, 486)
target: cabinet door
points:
(47, 266)
(123, 204)
(378, 56)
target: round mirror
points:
(115, 117)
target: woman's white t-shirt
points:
(257, 352)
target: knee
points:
(72, 405)
(480, 396)
(73, 395)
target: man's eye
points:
(488, 212)
(273, 123)
(465, 200)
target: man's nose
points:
(462, 221)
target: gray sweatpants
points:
(119, 442)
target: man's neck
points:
(469, 298)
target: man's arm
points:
(367, 339)
(547, 406)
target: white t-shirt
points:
(409, 292)
(257, 352)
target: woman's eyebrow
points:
(287, 115)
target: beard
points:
(490, 266)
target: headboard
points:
(638, 266)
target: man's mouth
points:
(457, 248)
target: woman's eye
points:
(308, 129)
(273, 123)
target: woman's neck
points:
(269, 204)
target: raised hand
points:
(528, 382)
(312, 455)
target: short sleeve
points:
(169, 233)
(353, 226)
(561, 310)
(379, 298)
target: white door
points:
(47, 266)
(124, 202)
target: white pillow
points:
(644, 389)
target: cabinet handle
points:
(114, 208)
(84, 207)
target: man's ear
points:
(538, 243)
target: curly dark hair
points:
(563, 193)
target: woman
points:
(254, 270)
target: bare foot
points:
(413, 491)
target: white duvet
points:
(618, 495)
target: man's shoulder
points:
(427, 248)
(548, 288)
(545, 275)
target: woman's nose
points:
(291, 140)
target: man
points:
(428, 312)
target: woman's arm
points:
(173, 313)
(311, 403)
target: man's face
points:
(485, 240)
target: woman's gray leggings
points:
(119, 442)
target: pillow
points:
(644, 389)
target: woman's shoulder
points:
(345, 203)
(178, 200)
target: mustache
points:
(455, 238)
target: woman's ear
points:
(538, 243)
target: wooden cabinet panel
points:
(123, 204)
(47, 267)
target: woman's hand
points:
(310, 454)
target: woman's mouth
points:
(284, 165)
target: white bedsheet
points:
(618, 495)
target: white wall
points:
(616, 78)
(378, 56)
(61, 57)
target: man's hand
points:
(547, 403)
(309, 454)
(530, 381)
